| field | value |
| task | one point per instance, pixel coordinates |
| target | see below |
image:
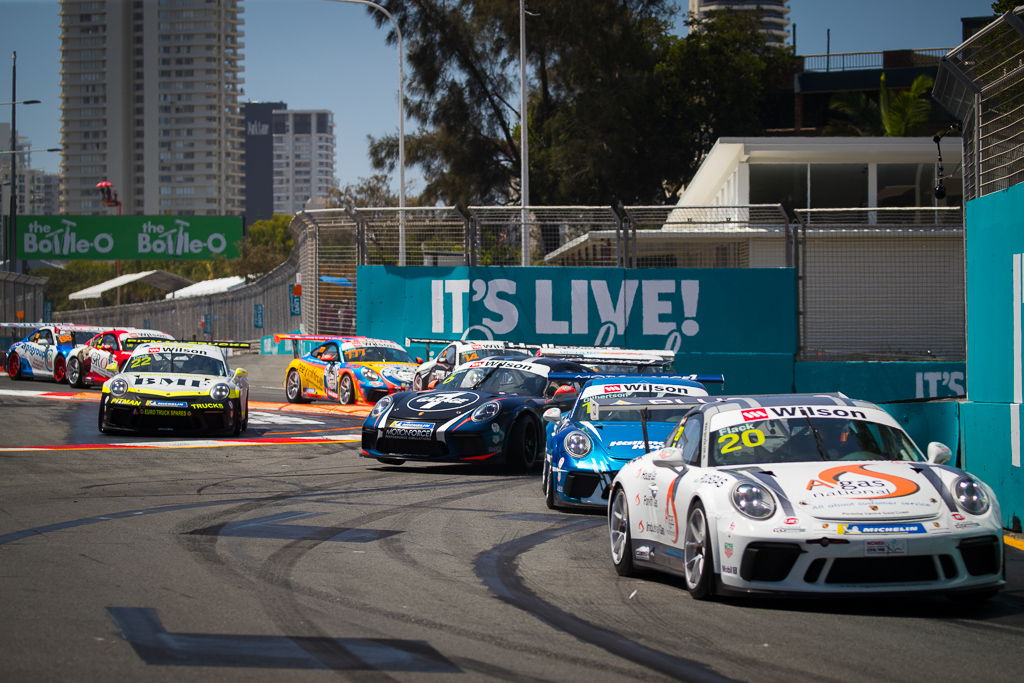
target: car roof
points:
(729, 404)
(171, 346)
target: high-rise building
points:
(303, 157)
(150, 102)
(774, 14)
(259, 159)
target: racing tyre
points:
(619, 535)
(698, 561)
(236, 421)
(245, 420)
(293, 388)
(60, 370)
(524, 446)
(417, 382)
(549, 487)
(75, 374)
(102, 413)
(346, 394)
(14, 366)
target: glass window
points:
(905, 184)
(784, 184)
(839, 186)
(690, 443)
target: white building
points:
(303, 157)
(150, 101)
(774, 14)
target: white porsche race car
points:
(804, 494)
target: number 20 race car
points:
(804, 494)
(178, 387)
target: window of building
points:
(784, 184)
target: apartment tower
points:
(150, 102)
(774, 14)
(303, 157)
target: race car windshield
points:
(477, 354)
(587, 409)
(807, 439)
(73, 338)
(376, 354)
(498, 381)
(181, 363)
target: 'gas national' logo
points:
(157, 239)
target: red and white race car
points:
(103, 356)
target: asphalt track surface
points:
(285, 556)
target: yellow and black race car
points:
(174, 386)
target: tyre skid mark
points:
(497, 568)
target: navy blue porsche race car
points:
(486, 411)
(614, 420)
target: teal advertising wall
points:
(738, 322)
(883, 381)
(991, 418)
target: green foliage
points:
(1003, 6)
(896, 114)
(619, 109)
(266, 246)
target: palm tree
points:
(894, 114)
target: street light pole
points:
(401, 124)
(12, 245)
(524, 153)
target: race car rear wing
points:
(515, 346)
(132, 342)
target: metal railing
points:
(857, 61)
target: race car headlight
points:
(486, 411)
(753, 501)
(219, 392)
(970, 495)
(381, 405)
(118, 387)
(369, 374)
(577, 444)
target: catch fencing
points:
(231, 315)
(981, 82)
(874, 284)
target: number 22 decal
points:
(734, 442)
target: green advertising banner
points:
(69, 238)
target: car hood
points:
(439, 406)
(396, 373)
(625, 440)
(168, 384)
(858, 490)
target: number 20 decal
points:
(734, 442)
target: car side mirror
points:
(419, 360)
(241, 372)
(939, 453)
(668, 457)
(565, 393)
(112, 367)
(44, 342)
(107, 347)
(552, 415)
(432, 384)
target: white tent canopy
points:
(207, 287)
(160, 279)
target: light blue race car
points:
(588, 445)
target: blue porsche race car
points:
(486, 411)
(589, 444)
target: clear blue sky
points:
(316, 54)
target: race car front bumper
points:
(157, 414)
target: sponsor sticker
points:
(892, 546)
(443, 400)
(410, 430)
(167, 404)
(854, 529)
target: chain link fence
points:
(881, 284)
(981, 82)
